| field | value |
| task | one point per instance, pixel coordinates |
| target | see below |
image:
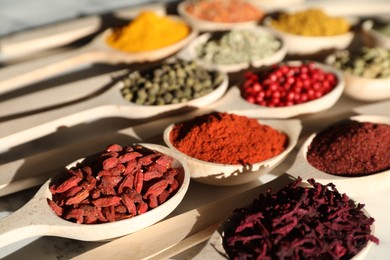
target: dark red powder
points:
(298, 223)
(351, 148)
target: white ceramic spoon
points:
(228, 175)
(36, 218)
(233, 102)
(109, 103)
(17, 76)
(349, 185)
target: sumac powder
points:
(118, 183)
(296, 222)
(351, 148)
(228, 139)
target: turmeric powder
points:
(311, 22)
(149, 31)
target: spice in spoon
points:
(315, 222)
(170, 83)
(224, 11)
(351, 148)
(287, 85)
(149, 31)
(119, 183)
(227, 139)
(311, 22)
(238, 46)
(365, 62)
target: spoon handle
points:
(33, 219)
(18, 76)
(40, 39)
(24, 129)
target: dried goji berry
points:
(109, 213)
(62, 198)
(129, 204)
(69, 183)
(163, 196)
(106, 201)
(110, 162)
(149, 175)
(114, 147)
(133, 195)
(138, 181)
(132, 167)
(153, 202)
(76, 214)
(89, 183)
(57, 209)
(142, 207)
(127, 182)
(79, 197)
(148, 159)
(164, 160)
(127, 157)
(156, 189)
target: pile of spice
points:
(119, 183)
(299, 223)
(238, 46)
(311, 22)
(227, 139)
(224, 11)
(149, 31)
(351, 148)
(365, 62)
(170, 83)
(287, 85)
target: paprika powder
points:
(228, 139)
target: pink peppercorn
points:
(287, 85)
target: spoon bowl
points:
(216, 249)
(205, 25)
(109, 103)
(308, 45)
(36, 218)
(233, 102)
(191, 53)
(229, 175)
(353, 185)
(20, 75)
(364, 89)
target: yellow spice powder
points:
(149, 31)
(311, 22)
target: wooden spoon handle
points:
(18, 131)
(20, 75)
(157, 238)
(35, 40)
(29, 221)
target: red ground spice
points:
(351, 148)
(228, 139)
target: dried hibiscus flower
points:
(299, 223)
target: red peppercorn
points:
(287, 85)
